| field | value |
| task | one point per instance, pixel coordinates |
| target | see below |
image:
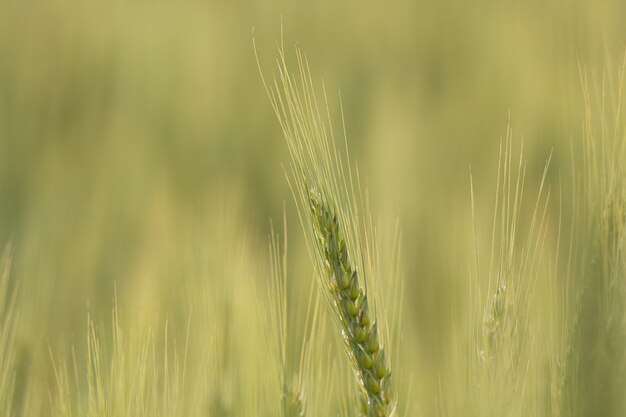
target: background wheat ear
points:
(275, 314)
(339, 232)
(502, 370)
(598, 354)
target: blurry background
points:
(138, 149)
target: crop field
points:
(215, 208)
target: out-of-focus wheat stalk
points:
(8, 318)
(504, 361)
(599, 358)
(292, 383)
(126, 374)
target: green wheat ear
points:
(338, 229)
(359, 330)
(293, 401)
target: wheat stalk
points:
(292, 392)
(338, 228)
(7, 334)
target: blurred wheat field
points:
(148, 270)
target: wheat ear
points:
(338, 227)
(349, 302)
